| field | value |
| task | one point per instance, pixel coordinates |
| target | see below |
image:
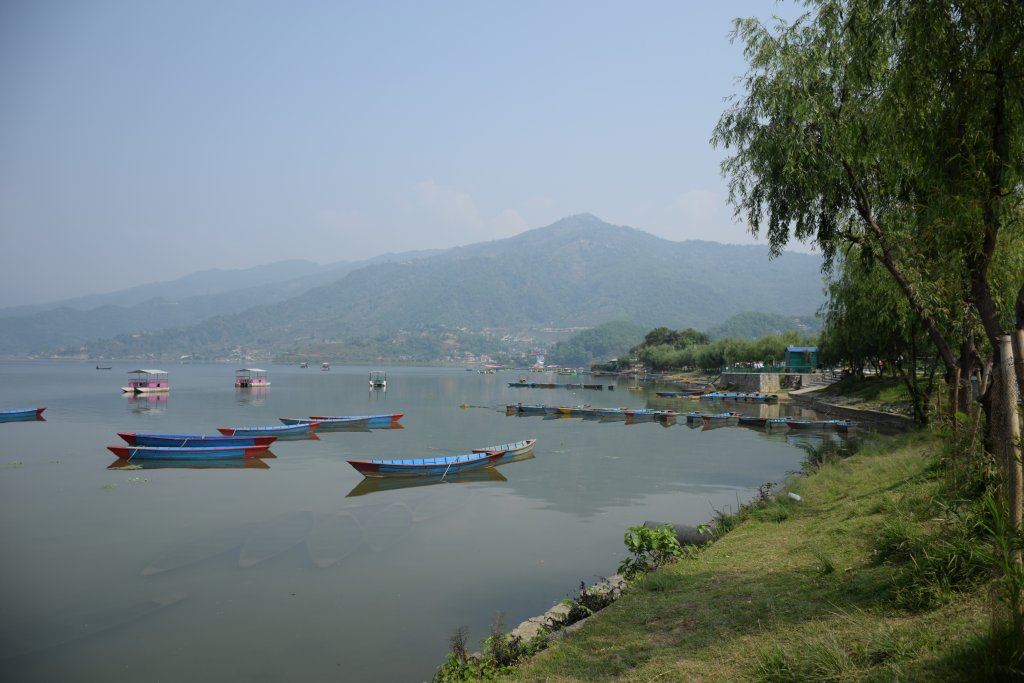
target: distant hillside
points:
(578, 272)
(754, 325)
(189, 300)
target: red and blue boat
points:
(302, 428)
(183, 440)
(186, 452)
(22, 415)
(426, 467)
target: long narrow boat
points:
(650, 414)
(21, 414)
(525, 408)
(425, 467)
(752, 421)
(840, 425)
(515, 448)
(186, 452)
(274, 430)
(369, 419)
(181, 440)
(720, 419)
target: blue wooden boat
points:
(720, 419)
(426, 467)
(186, 452)
(21, 414)
(181, 440)
(840, 425)
(275, 430)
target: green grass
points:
(803, 591)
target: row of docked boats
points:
(783, 422)
(588, 411)
(724, 418)
(742, 396)
(441, 466)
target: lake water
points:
(301, 570)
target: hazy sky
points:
(143, 140)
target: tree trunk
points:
(1009, 439)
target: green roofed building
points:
(801, 358)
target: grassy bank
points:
(870, 576)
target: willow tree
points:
(896, 126)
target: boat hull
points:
(272, 430)
(186, 453)
(510, 449)
(21, 414)
(184, 440)
(426, 467)
(368, 419)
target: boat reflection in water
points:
(197, 464)
(147, 404)
(254, 395)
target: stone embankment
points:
(552, 623)
(840, 407)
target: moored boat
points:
(147, 382)
(251, 377)
(369, 419)
(510, 449)
(182, 440)
(720, 419)
(425, 467)
(22, 414)
(754, 421)
(525, 408)
(275, 430)
(186, 452)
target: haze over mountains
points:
(576, 273)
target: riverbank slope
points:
(796, 591)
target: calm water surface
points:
(301, 569)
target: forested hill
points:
(578, 272)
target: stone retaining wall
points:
(888, 422)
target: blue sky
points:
(141, 141)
